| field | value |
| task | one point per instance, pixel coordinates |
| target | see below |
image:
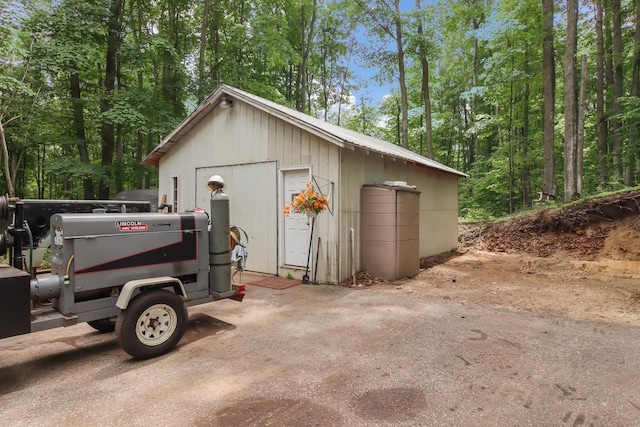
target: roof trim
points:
(339, 136)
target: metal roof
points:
(340, 136)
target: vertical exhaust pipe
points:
(219, 243)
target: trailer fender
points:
(130, 288)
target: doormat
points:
(275, 282)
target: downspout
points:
(353, 257)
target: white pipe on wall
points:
(353, 256)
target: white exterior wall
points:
(243, 135)
(295, 148)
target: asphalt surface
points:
(332, 356)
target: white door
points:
(253, 206)
(297, 229)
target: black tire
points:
(104, 325)
(152, 324)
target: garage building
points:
(266, 153)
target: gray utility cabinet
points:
(390, 231)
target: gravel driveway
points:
(332, 356)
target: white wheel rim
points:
(156, 324)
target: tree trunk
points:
(119, 159)
(513, 137)
(580, 127)
(78, 125)
(404, 128)
(549, 189)
(149, 175)
(426, 97)
(139, 175)
(475, 141)
(617, 88)
(107, 132)
(398, 123)
(139, 179)
(204, 31)
(15, 166)
(41, 156)
(5, 162)
(468, 155)
(525, 172)
(618, 77)
(635, 92)
(307, 40)
(600, 99)
(215, 49)
(570, 102)
(169, 84)
(343, 83)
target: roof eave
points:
(153, 158)
(341, 140)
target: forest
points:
(536, 100)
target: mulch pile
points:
(363, 280)
(578, 230)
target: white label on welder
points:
(131, 225)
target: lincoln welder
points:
(135, 273)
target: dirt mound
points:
(606, 227)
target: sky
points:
(375, 92)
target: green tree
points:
(549, 189)
(330, 61)
(16, 97)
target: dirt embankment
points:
(603, 228)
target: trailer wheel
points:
(103, 325)
(152, 324)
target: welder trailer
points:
(135, 273)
